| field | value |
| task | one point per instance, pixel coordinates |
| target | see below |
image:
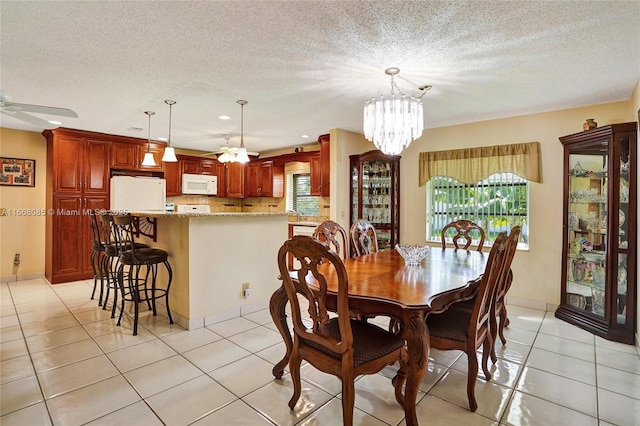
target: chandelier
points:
(148, 160)
(393, 122)
(169, 153)
(232, 154)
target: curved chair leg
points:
(95, 274)
(504, 322)
(493, 331)
(487, 348)
(472, 374)
(294, 369)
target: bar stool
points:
(97, 256)
(131, 260)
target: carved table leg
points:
(277, 306)
(417, 336)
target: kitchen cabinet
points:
(78, 171)
(319, 168)
(234, 185)
(264, 179)
(598, 283)
(375, 194)
(173, 177)
(128, 155)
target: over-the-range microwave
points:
(199, 184)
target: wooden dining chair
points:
(465, 330)
(335, 235)
(363, 237)
(463, 228)
(339, 345)
(498, 305)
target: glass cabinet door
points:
(587, 228)
(375, 194)
(624, 217)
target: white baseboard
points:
(21, 277)
(526, 303)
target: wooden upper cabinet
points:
(316, 175)
(124, 156)
(96, 173)
(209, 166)
(264, 179)
(221, 173)
(68, 161)
(235, 180)
(191, 166)
(173, 177)
(325, 161)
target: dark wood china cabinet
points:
(598, 291)
(375, 194)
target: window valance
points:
(471, 165)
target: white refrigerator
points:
(130, 193)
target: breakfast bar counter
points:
(212, 256)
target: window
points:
(496, 204)
(298, 195)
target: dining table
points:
(382, 284)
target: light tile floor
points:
(63, 361)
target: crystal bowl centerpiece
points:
(412, 253)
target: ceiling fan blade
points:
(39, 109)
(29, 118)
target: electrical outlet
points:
(16, 259)
(246, 291)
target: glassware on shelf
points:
(578, 268)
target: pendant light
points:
(241, 155)
(169, 153)
(148, 160)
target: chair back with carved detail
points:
(467, 330)
(464, 230)
(334, 235)
(363, 237)
(337, 345)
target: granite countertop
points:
(312, 224)
(159, 213)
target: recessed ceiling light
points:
(305, 136)
(224, 117)
(55, 122)
(162, 139)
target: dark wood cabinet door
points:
(221, 173)
(96, 172)
(316, 175)
(208, 166)
(254, 180)
(124, 156)
(174, 178)
(190, 166)
(235, 180)
(272, 180)
(66, 261)
(325, 162)
(68, 161)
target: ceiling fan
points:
(228, 149)
(19, 111)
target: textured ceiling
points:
(308, 67)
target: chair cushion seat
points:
(369, 341)
(144, 255)
(452, 324)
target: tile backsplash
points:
(249, 205)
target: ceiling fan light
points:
(169, 155)
(226, 157)
(148, 160)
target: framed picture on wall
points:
(17, 172)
